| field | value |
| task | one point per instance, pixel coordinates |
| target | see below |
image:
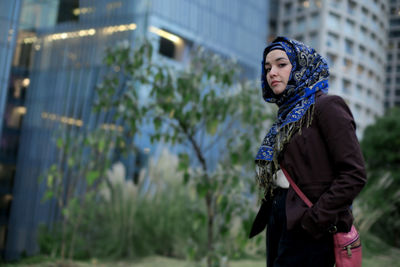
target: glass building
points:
(9, 14)
(351, 34)
(58, 62)
(392, 92)
(10, 111)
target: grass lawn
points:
(375, 254)
(155, 261)
(391, 259)
(165, 262)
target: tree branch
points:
(194, 144)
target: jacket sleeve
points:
(337, 128)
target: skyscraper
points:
(9, 14)
(392, 92)
(351, 34)
(65, 64)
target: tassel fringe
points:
(266, 170)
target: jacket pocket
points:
(313, 191)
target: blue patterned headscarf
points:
(309, 75)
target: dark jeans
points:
(294, 248)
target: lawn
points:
(376, 253)
(155, 261)
(391, 259)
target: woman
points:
(314, 139)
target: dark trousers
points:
(294, 248)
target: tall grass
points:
(124, 220)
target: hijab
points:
(309, 75)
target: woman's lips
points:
(274, 83)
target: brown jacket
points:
(326, 162)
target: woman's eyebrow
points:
(276, 60)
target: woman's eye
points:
(267, 70)
(282, 65)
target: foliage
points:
(137, 222)
(379, 200)
(85, 154)
(118, 96)
(212, 117)
(49, 241)
(215, 117)
(379, 255)
(153, 217)
(381, 142)
(157, 216)
(83, 159)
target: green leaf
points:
(50, 179)
(109, 60)
(247, 144)
(212, 126)
(157, 123)
(74, 203)
(48, 195)
(53, 168)
(223, 203)
(155, 137)
(186, 177)
(92, 176)
(226, 79)
(235, 181)
(60, 142)
(198, 116)
(159, 76)
(201, 189)
(65, 212)
(224, 229)
(101, 145)
(184, 162)
(71, 162)
(235, 157)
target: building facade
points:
(352, 35)
(60, 57)
(392, 93)
(11, 112)
(9, 15)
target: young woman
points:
(314, 139)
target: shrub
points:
(157, 216)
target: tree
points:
(85, 154)
(380, 197)
(216, 121)
(205, 111)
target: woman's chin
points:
(277, 92)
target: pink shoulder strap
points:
(296, 188)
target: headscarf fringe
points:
(309, 74)
(267, 169)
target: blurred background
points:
(55, 53)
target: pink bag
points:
(347, 246)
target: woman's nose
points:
(272, 72)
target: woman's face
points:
(277, 69)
